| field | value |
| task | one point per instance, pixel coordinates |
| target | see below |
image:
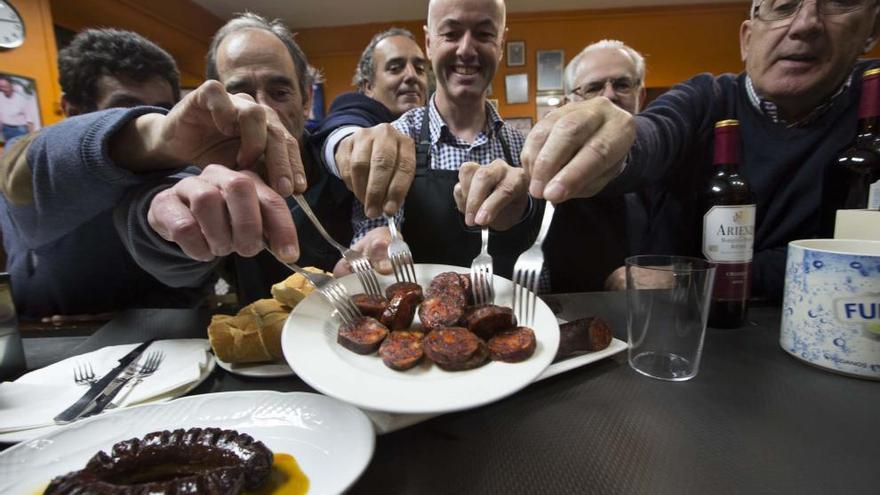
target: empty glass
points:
(667, 300)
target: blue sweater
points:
(56, 214)
(784, 166)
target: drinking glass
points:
(667, 301)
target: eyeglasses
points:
(620, 85)
(777, 10)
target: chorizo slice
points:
(363, 337)
(487, 320)
(465, 280)
(455, 349)
(444, 282)
(439, 312)
(403, 299)
(589, 334)
(369, 305)
(402, 350)
(513, 346)
(405, 288)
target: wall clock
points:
(11, 26)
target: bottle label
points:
(874, 196)
(729, 233)
(732, 282)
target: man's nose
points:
(608, 91)
(466, 46)
(806, 20)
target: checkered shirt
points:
(771, 111)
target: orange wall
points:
(677, 42)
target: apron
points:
(435, 229)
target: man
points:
(391, 78)
(468, 158)
(16, 116)
(797, 105)
(64, 256)
(181, 229)
(580, 259)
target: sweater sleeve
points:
(160, 258)
(63, 176)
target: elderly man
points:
(391, 78)
(64, 256)
(578, 261)
(467, 159)
(181, 229)
(797, 104)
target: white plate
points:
(23, 435)
(331, 441)
(256, 370)
(309, 344)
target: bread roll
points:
(252, 336)
(294, 288)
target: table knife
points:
(82, 404)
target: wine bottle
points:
(728, 230)
(853, 180)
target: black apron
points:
(435, 230)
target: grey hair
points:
(366, 67)
(637, 59)
(249, 20)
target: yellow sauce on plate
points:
(287, 478)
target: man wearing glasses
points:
(797, 104)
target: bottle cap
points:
(726, 142)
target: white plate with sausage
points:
(309, 342)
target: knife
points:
(81, 405)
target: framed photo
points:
(516, 53)
(516, 88)
(522, 124)
(19, 106)
(551, 63)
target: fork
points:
(154, 359)
(84, 374)
(483, 285)
(526, 272)
(332, 290)
(358, 262)
(400, 255)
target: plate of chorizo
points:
(422, 348)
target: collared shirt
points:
(448, 152)
(771, 110)
(14, 110)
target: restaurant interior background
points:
(678, 41)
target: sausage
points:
(402, 350)
(589, 334)
(198, 460)
(363, 337)
(403, 299)
(513, 346)
(370, 305)
(437, 312)
(465, 280)
(443, 282)
(487, 320)
(455, 349)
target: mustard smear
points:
(287, 478)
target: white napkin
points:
(37, 397)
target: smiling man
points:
(797, 104)
(467, 159)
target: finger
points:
(213, 96)
(277, 159)
(383, 163)
(403, 175)
(252, 122)
(278, 224)
(245, 221)
(359, 167)
(208, 207)
(378, 255)
(484, 182)
(535, 142)
(296, 165)
(466, 175)
(511, 191)
(343, 161)
(342, 268)
(459, 197)
(169, 217)
(566, 138)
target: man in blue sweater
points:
(797, 105)
(64, 256)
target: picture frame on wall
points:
(522, 124)
(19, 106)
(516, 88)
(516, 53)
(551, 64)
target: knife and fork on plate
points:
(102, 392)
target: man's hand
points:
(495, 195)
(577, 149)
(377, 164)
(643, 278)
(373, 245)
(211, 126)
(221, 211)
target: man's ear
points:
(66, 107)
(745, 35)
(308, 94)
(502, 47)
(427, 41)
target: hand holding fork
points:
(400, 255)
(526, 272)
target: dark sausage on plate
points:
(487, 320)
(403, 299)
(455, 349)
(513, 346)
(402, 350)
(363, 337)
(584, 335)
(370, 305)
(445, 302)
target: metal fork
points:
(332, 290)
(359, 263)
(400, 255)
(483, 281)
(526, 272)
(84, 374)
(154, 359)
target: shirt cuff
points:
(332, 143)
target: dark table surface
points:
(754, 420)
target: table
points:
(754, 420)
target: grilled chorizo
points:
(455, 349)
(402, 350)
(370, 305)
(513, 346)
(363, 337)
(584, 335)
(403, 299)
(485, 321)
